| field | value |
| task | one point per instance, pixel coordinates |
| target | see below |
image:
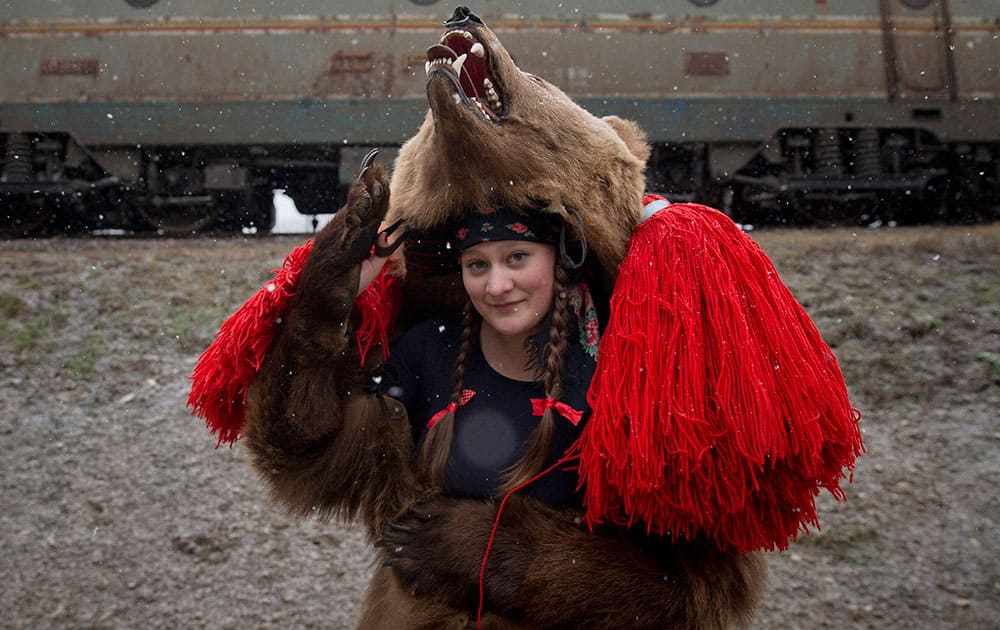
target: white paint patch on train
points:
(288, 220)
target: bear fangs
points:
(457, 64)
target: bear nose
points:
(462, 17)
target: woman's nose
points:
(498, 283)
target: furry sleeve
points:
(544, 569)
(320, 439)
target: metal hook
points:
(383, 251)
(568, 262)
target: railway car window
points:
(141, 4)
(424, 2)
(917, 4)
(703, 3)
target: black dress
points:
(491, 429)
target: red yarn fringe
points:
(376, 309)
(717, 407)
(225, 370)
(222, 376)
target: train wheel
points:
(26, 217)
(178, 219)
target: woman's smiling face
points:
(510, 283)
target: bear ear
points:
(633, 136)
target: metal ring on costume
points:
(568, 262)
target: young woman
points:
(468, 407)
(498, 393)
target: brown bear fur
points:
(326, 444)
(322, 443)
(544, 569)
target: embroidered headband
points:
(505, 224)
(435, 251)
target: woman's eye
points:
(475, 265)
(518, 257)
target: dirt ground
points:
(119, 512)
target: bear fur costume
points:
(327, 444)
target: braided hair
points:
(433, 458)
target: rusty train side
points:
(183, 115)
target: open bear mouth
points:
(464, 60)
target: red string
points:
(496, 523)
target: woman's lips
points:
(507, 305)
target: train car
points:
(185, 115)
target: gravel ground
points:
(119, 512)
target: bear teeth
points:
(430, 65)
(456, 65)
(466, 34)
(482, 108)
(491, 95)
(478, 50)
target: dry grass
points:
(118, 512)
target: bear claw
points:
(366, 163)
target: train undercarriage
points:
(801, 176)
(50, 184)
(838, 176)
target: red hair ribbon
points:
(539, 405)
(463, 398)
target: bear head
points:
(496, 135)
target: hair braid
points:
(539, 445)
(434, 454)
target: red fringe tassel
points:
(222, 376)
(717, 407)
(376, 309)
